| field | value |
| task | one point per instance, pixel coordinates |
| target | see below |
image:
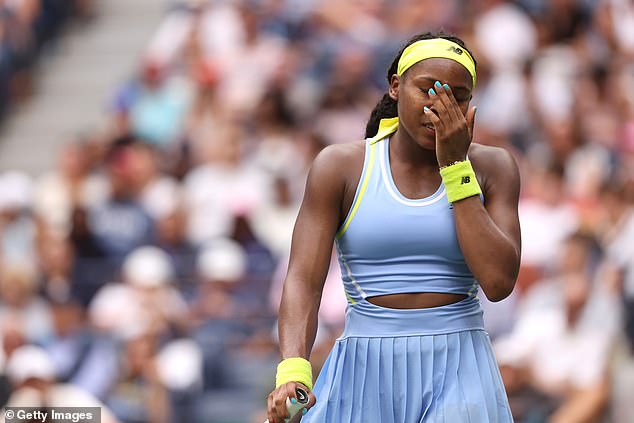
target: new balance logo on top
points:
(456, 50)
(465, 180)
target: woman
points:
(415, 228)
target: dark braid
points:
(386, 107)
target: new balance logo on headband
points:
(456, 50)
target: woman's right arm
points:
(311, 248)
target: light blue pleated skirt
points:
(406, 366)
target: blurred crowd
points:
(144, 271)
(28, 28)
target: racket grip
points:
(293, 409)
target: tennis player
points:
(420, 217)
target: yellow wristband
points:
(295, 369)
(460, 181)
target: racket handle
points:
(293, 409)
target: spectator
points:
(19, 300)
(618, 232)
(27, 27)
(171, 237)
(273, 223)
(214, 191)
(91, 266)
(555, 361)
(179, 366)
(154, 107)
(121, 224)
(56, 260)
(80, 356)
(145, 297)
(13, 337)
(221, 266)
(547, 219)
(18, 230)
(71, 185)
(33, 376)
(138, 395)
(218, 316)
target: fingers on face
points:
(433, 117)
(471, 120)
(436, 103)
(446, 97)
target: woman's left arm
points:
(489, 234)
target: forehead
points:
(440, 69)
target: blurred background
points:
(153, 156)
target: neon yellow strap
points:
(387, 126)
(364, 185)
(294, 369)
(460, 181)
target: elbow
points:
(498, 284)
(497, 297)
(498, 289)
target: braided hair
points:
(386, 107)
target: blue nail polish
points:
(294, 401)
(432, 92)
(446, 86)
(304, 411)
(437, 84)
(426, 108)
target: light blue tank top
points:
(390, 244)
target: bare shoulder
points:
(339, 162)
(338, 154)
(334, 175)
(495, 166)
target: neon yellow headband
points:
(416, 52)
(436, 47)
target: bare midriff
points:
(416, 300)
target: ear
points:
(394, 87)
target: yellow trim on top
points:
(350, 299)
(387, 126)
(364, 185)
